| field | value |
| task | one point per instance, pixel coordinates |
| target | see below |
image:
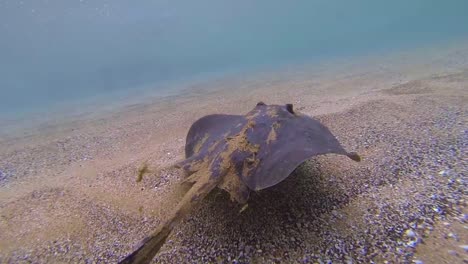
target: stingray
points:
(241, 154)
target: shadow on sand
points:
(281, 210)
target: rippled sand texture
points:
(68, 190)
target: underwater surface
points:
(54, 52)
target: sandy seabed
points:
(68, 191)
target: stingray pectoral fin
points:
(286, 142)
(209, 129)
(280, 165)
(150, 247)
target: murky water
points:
(56, 51)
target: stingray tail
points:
(151, 245)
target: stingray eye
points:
(290, 109)
(260, 103)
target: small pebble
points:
(412, 244)
(443, 173)
(410, 233)
(452, 235)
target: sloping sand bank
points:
(68, 191)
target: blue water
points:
(59, 50)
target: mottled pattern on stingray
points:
(262, 147)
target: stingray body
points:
(240, 154)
